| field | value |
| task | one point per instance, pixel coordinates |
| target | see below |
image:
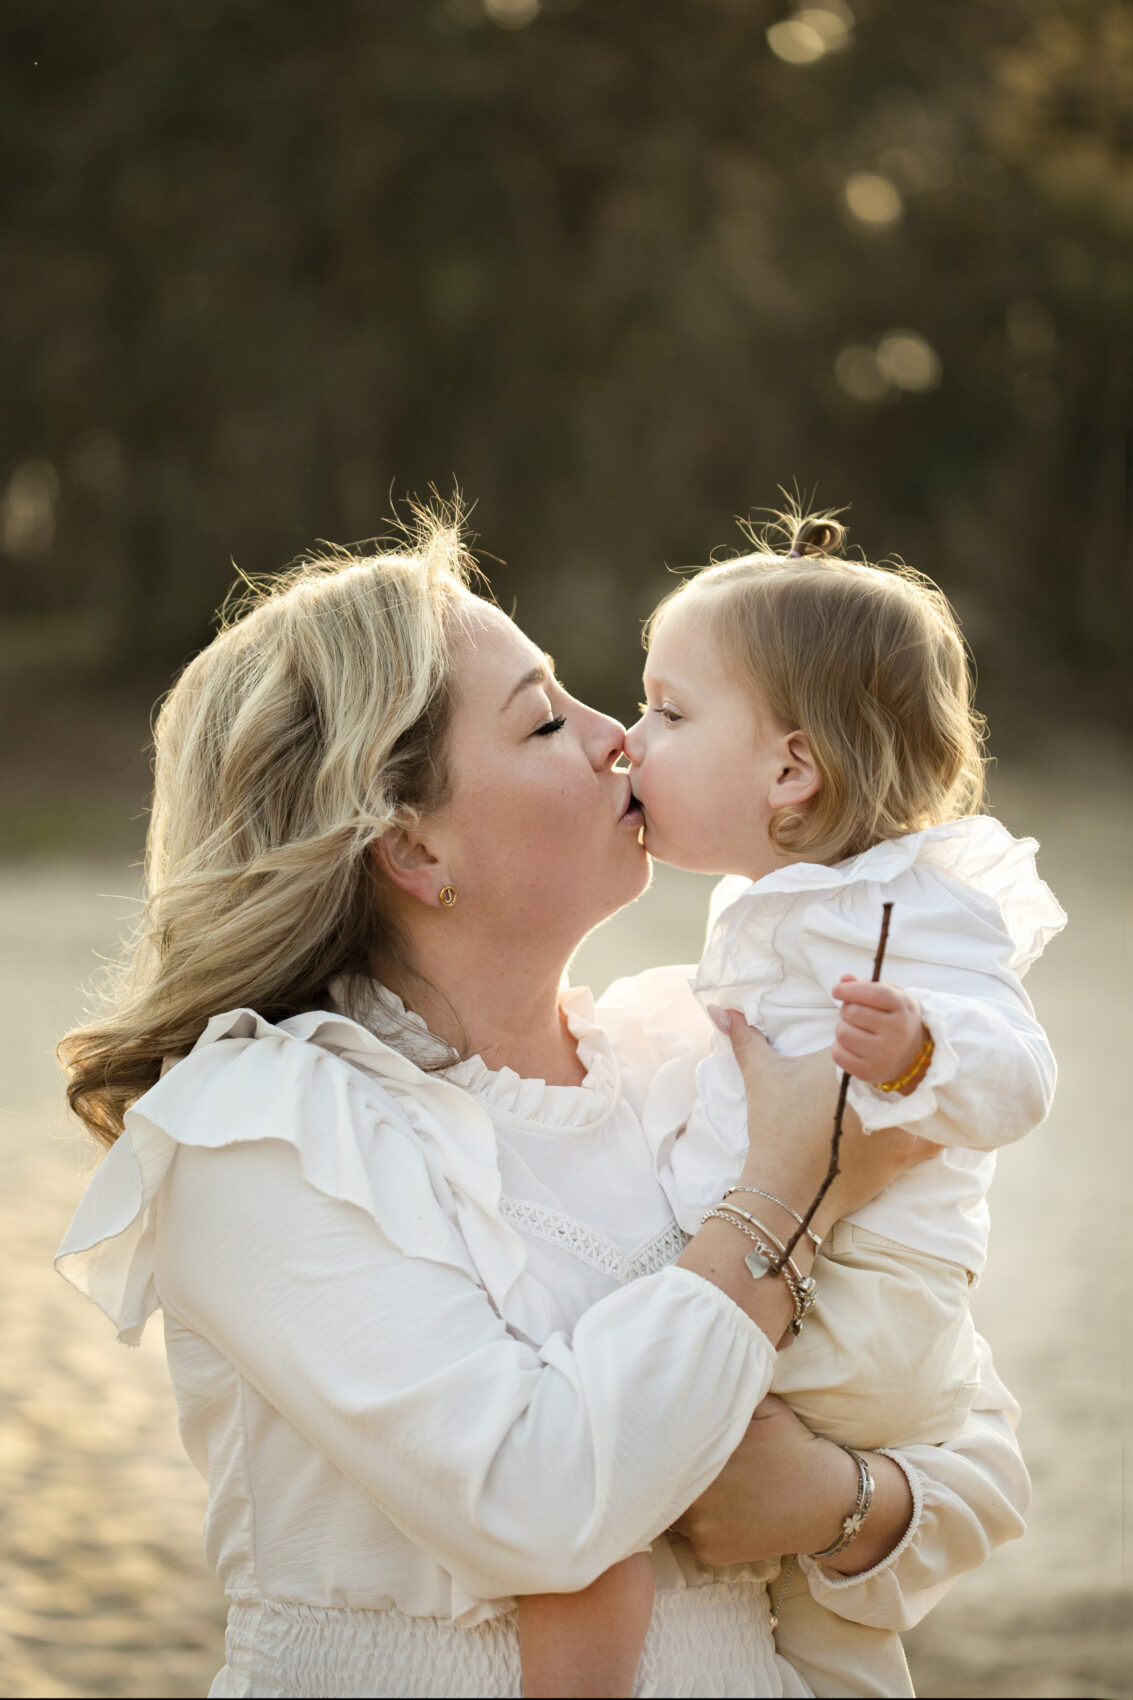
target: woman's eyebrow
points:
(541, 675)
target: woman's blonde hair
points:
(869, 663)
(313, 722)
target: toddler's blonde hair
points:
(869, 663)
(310, 725)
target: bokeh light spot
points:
(28, 517)
(831, 23)
(908, 361)
(859, 374)
(513, 14)
(795, 42)
(873, 199)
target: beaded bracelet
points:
(920, 1062)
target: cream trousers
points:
(888, 1356)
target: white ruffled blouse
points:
(429, 1354)
(970, 915)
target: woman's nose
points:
(604, 740)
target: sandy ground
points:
(104, 1590)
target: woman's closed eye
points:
(556, 724)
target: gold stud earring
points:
(448, 895)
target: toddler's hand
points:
(880, 1030)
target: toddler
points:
(808, 731)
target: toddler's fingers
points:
(875, 994)
(858, 1044)
(855, 1062)
(863, 1019)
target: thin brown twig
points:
(839, 1111)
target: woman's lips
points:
(633, 813)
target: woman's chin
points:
(637, 877)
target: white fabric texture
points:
(703, 1641)
(970, 914)
(412, 1363)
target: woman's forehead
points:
(491, 651)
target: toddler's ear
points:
(798, 778)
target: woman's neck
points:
(506, 1013)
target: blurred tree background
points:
(621, 268)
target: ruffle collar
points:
(977, 851)
(510, 1097)
(535, 1104)
(414, 1150)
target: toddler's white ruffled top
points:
(970, 914)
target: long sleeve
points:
(969, 1497)
(517, 1469)
(992, 1076)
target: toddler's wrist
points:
(910, 1067)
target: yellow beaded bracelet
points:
(920, 1063)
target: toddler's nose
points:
(632, 744)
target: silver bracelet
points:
(759, 1263)
(783, 1205)
(765, 1231)
(852, 1525)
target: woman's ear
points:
(406, 860)
(797, 778)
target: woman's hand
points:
(785, 1489)
(791, 1103)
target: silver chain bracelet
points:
(759, 1263)
(758, 1192)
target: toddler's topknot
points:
(819, 534)
(869, 663)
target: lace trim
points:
(592, 1247)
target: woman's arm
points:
(785, 1489)
(970, 1496)
(518, 1469)
(940, 1510)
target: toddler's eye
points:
(668, 715)
(549, 726)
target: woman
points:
(391, 1196)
